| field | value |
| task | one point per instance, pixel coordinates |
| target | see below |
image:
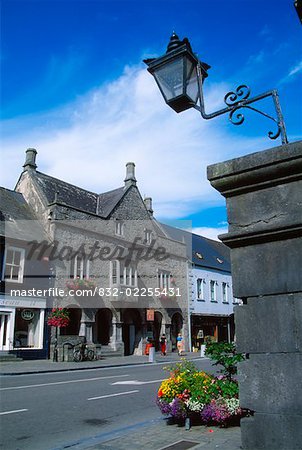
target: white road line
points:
(61, 382)
(12, 412)
(135, 382)
(112, 395)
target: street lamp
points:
(180, 75)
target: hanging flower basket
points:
(59, 317)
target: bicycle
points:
(83, 353)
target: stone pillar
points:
(87, 320)
(263, 193)
(116, 339)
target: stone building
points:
(211, 300)
(24, 281)
(114, 265)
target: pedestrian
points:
(179, 340)
(163, 344)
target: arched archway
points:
(176, 327)
(103, 324)
(132, 329)
(75, 314)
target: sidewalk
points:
(158, 435)
(46, 366)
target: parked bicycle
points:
(81, 352)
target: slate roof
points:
(17, 220)
(203, 252)
(76, 197)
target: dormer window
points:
(119, 227)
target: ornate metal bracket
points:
(239, 99)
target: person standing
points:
(179, 340)
(163, 344)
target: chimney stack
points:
(30, 162)
(148, 204)
(130, 179)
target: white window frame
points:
(224, 291)
(122, 275)
(148, 236)
(164, 279)
(213, 297)
(119, 227)
(200, 291)
(82, 263)
(20, 266)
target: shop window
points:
(27, 328)
(79, 267)
(200, 289)
(13, 264)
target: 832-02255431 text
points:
(98, 291)
(139, 292)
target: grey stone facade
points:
(263, 192)
(77, 221)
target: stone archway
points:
(176, 327)
(131, 330)
(75, 314)
(103, 326)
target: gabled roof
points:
(56, 190)
(17, 220)
(203, 252)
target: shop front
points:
(22, 327)
(211, 328)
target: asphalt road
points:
(58, 410)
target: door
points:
(4, 331)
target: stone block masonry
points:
(263, 194)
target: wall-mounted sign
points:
(27, 314)
(150, 315)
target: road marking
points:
(112, 395)
(135, 382)
(12, 412)
(61, 382)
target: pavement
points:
(157, 434)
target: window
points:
(13, 264)
(225, 298)
(119, 228)
(148, 237)
(213, 291)
(164, 279)
(200, 288)
(79, 267)
(123, 275)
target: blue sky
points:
(74, 87)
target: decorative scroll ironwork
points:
(239, 99)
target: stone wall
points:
(263, 192)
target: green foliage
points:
(224, 354)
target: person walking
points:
(163, 344)
(179, 340)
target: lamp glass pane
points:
(170, 78)
(192, 83)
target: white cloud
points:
(293, 72)
(211, 233)
(88, 143)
